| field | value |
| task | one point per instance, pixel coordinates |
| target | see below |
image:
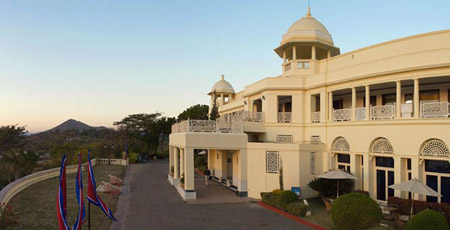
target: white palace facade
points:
(381, 112)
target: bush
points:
(286, 198)
(270, 199)
(297, 208)
(200, 160)
(428, 219)
(133, 157)
(355, 211)
(328, 188)
(277, 192)
(202, 168)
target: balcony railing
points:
(287, 67)
(382, 112)
(360, 113)
(342, 114)
(435, 109)
(315, 117)
(303, 65)
(208, 126)
(245, 116)
(284, 117)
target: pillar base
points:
(186, 194)
(242, 194)
(172, 180)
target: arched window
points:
(381, 145)
(340, 144)
(435, 147)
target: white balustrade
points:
(303, 65)
(202, 126)
(342, 114)
(208, 126)
(315, 117)
(435, 109)
(285, 138)
(383, 112)
(360, 113)
(284, 117)
(253, 116)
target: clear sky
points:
(100, 60)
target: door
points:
(385, 178)
(230, 167)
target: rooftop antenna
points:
(309, 9)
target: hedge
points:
(428, 220)
(355, 211)
(297, 208)
(286, 198)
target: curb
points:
(292, 217)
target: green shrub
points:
(133, 157)
(355, 211)
(202, 168)
(182, 179)
(427, 219)
(200, 160)
(270, 199)
(297, 208)
(286, 198)
(277, 192)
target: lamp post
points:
(110, 147)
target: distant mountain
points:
(73, 124)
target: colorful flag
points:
(79, 190)
(61, 203)
(92, 193)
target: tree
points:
(214, 109)
(145, 131)
(198, 112)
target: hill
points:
(73, 124)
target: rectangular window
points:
(437, 166)
(344, 158)
(318, 103)
(272, 162)
(312, 163)
(387, 162)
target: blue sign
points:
(297, 190)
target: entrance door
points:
(230, 167)
(384, 179)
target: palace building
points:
(381, 112)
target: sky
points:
(98, 61)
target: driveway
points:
(148, 201)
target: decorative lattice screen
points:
(272, 162)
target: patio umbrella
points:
(414, 186)
(337, 174)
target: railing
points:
(284, 117)
(285, 138)
(435, 109)
(342, 115)
(315, 117)
(287, 67)
(303, 65)
(246, 116)
(360, 113)
(382, 112)
(208, 126)
(253, 116)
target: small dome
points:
(222, 86)
(307, 28)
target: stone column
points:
(367, 102)
(416, 99)
(366, 161)
(242, 164)
(189, 170)
(398, 101)
(415, 172)
(329, 54)
(313, 52)
(181, 162)
(323, 106)
(170, 158)
(176, 172)
(399, 170)
(284, 57)
(294, 53)
(330, 107)
(353, 103)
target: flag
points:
(61, 204)
(79, 190)
(92, 193)
(126, 151)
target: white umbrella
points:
(414, 186)
(337, 174)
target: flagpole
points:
(89, 216)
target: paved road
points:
(150, 202)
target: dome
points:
(222, 86)
(307, 29)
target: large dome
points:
(307, 29)
(222, 86)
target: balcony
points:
(435, 109)
(208, 126)
(382, 112)
(342, 114)
(315, 117)
(284, 117)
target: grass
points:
(35, 207)
(320, 216)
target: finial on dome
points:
(222, 76)
(309, 9)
